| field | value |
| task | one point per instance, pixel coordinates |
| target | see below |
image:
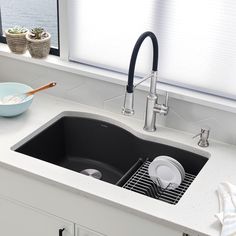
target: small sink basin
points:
(101, 149)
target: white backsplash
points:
(184, 116)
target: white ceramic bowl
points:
(12, 88)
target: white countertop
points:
(194, 211)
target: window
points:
(30, 14)
(196, 39)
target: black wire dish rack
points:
(140, 182)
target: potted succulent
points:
(16, 39)
(39, 42)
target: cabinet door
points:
(17, 219)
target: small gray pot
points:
(16, 42)
(39, 48)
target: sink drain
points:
(92, 172)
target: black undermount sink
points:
(101, 149)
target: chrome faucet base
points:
(150, 129)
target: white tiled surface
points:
(185, 116)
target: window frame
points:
(53, 51)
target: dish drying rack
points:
(140, 182)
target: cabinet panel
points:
(82, 231)
(17, 219)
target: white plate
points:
(175, 162)
(166, 172)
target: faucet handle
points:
(162, 109)
(165, 107)
(166, 99)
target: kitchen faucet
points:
(152, 105)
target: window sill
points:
(117, 78)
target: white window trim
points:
(62, 63)
(63, 30)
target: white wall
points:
(184, 116)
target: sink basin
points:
(101, 149)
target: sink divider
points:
(130, 172)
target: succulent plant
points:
(38, 33)
(17, 30)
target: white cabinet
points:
(29, 207)
(17, 219)
(20, 219)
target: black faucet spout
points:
(130, 86)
